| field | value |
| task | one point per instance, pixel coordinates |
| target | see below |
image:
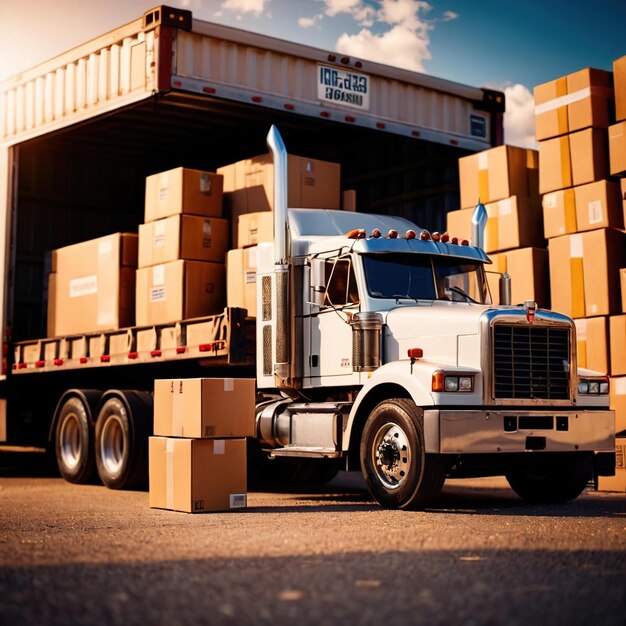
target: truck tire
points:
(551, 478)
(398, 472)
(122, 431)
(74, 442)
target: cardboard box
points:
(622, 280)
(617, 334)
(618, 403)
(513, 223)
(617, 482)
(52, 304)
(588, 150)
(584, 272)
(529, 271)
(589, 93)
(555, 165)
(598, 205)
(254, 228)
(559, 213)
(197, 475)
(94, 286)
(183, 190)
(179, 290)
(204, 407)
(348, 200)
(241, 279)
(551, 109)
(592, 343)
(619, 78)
(622, 183)
(617, 148)
(187, 237)
(497, 174)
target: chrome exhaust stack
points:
(281, 365)
(479, 223)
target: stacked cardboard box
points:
(197, 460)
(249, 200)
(92, 285)
(182, 247)
(505, 179)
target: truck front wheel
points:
(73, 442)
(551, 478)
(398, 472)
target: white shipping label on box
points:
(581, 328)
(620, 386)
(576, 246)
(229, 384)
(158, 275)
(483, 160)
(84, 286)
(164, 183)
(157, 294)
(595, 212)
(219, 446)
(238, 500)
(505, 207)
(158, 241)
(549, 201)
(105, 248)
(205, 184)
(250, 277)
(206, 234)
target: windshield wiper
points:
(404, 296)
(458, 290)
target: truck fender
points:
(392, 380)
(89, 397)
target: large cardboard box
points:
(555, 165)
(187, 237)
(559, 213)
(497, 174)
(617, 482)
(592, 341)
(241, 267)
(197, 475)
(551, 109)
(588, 150)
(254, 228)
(204, 407)
(94, 286)
(619, 77)
(183, 190)
(584, 272)
(617, 334)
(589, 92)
(512, 223)
(617, 148)
(529, 272)
(623, 192)
(598, 205)
(179, 290)
(618, 403)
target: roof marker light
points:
(455, 241)
(425, 235)
(410, 234)
(392, 234)
(445, 238)
(436, 236)
(356, 233)
(465, 242)
(376, 233)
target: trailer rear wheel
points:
(398, 472)
(74, 442)
(552, 478)
(122, 430)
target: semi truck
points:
(376, 345)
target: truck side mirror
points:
(318, 281)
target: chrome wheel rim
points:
(391, 455)
(113, 445)
(71, 445)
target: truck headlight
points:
(593, 386)
(451, 383)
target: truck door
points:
(329, 330)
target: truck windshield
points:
(424, 277)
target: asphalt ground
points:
(73, 554)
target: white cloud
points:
(245, 6)
(307, 22)
(519, 118)
(448, 16)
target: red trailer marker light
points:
(155, 353)
(105, 358)
(133, 355)
(181, 349)
(83, 360)
(58, 362)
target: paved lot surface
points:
(86, 555)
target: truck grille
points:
(531, 362)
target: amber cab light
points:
(437, 384)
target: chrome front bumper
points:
(485, 431)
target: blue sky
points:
(513, 45)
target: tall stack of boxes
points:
(505, 180)
(197, 456)
(249, 197)
(182, 248)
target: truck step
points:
(311, 453)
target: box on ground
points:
(187, 237)
(94, 286)
(555, 165)
(183, 190)
(197, 475)
(254, 228)
(619, 78)
(559, 213)
(179, 290)
(617, 482)
(584, 272)
(592, 343)
(241, 267)
(204, 407)
(617, 334)
(598, 205)
(617, 148)
(529, 271)
(513, 223)
(497, 174)
(618, 402)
